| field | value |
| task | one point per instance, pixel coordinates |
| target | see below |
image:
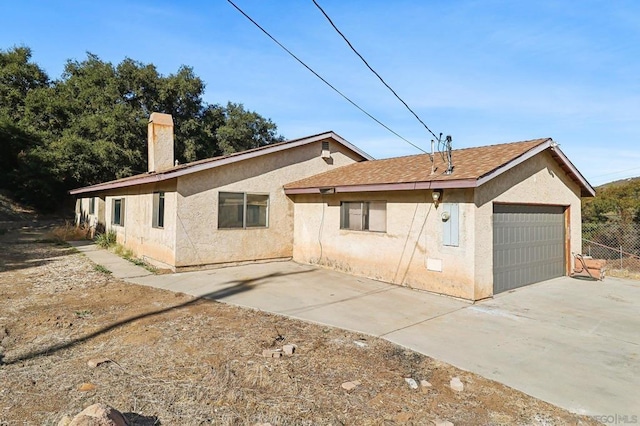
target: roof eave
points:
(403, 186)
(516, 161)
(159, 177)
(152, 178)
(586, 190)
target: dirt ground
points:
(177, 360)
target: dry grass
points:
(69, 232)
(183, 361)
(624, 273)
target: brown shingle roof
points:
(469, 164)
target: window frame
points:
(158, 211)
(121, 202)
(245, 205)
(92, 205)
(365, 216)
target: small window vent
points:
(326, 153)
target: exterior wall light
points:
(436, 194)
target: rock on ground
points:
(96, 415)
(456, 384)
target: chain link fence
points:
(617, 242)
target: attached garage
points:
(508, 215)
(529, 245)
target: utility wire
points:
(321, 78)
(615, 173)
(372, 70)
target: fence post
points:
(620, 257)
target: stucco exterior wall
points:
(414, 236)
(538, 180)
(400, 255)
(200, 242)
(95, 222)
(155, 245)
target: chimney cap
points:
(161, 118)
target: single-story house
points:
(222, 210)
(470, 224)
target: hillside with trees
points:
(90, 125)
(612, 217)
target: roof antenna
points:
(448, 141)
(433, 166)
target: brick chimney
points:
(160, 135)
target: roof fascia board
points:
(511, 164)
(407, 186)
(294, 191)
(533, 152)
(115, 185)
(352, 147)
(453, 184)
(377, 187)
(581, 179)
(254, 154)
(218, 163)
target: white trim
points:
(575, 171)
(511, 164)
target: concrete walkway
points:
(121, 268)
(570, 342)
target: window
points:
(117, 212)
(241, 210)
(92, 205)
(450, 224)
(363, 216)
(158, 210)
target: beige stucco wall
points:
(414, 230)
(539, 180)
(199, 242)
(95, 222)
(155, 245)
(399, 255)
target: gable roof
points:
(472, 168)
(210, 163)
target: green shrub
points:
(106, 240)
(85, 313)
(102, 269)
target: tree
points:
(618, 201)
(244, 130)
(18, 76)
(611, 218)
(90, 125)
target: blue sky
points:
(484, 72)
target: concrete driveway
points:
(570, 342)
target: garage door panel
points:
(528, 246)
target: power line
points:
(321, 78)
(372, 70)
(615, 173)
